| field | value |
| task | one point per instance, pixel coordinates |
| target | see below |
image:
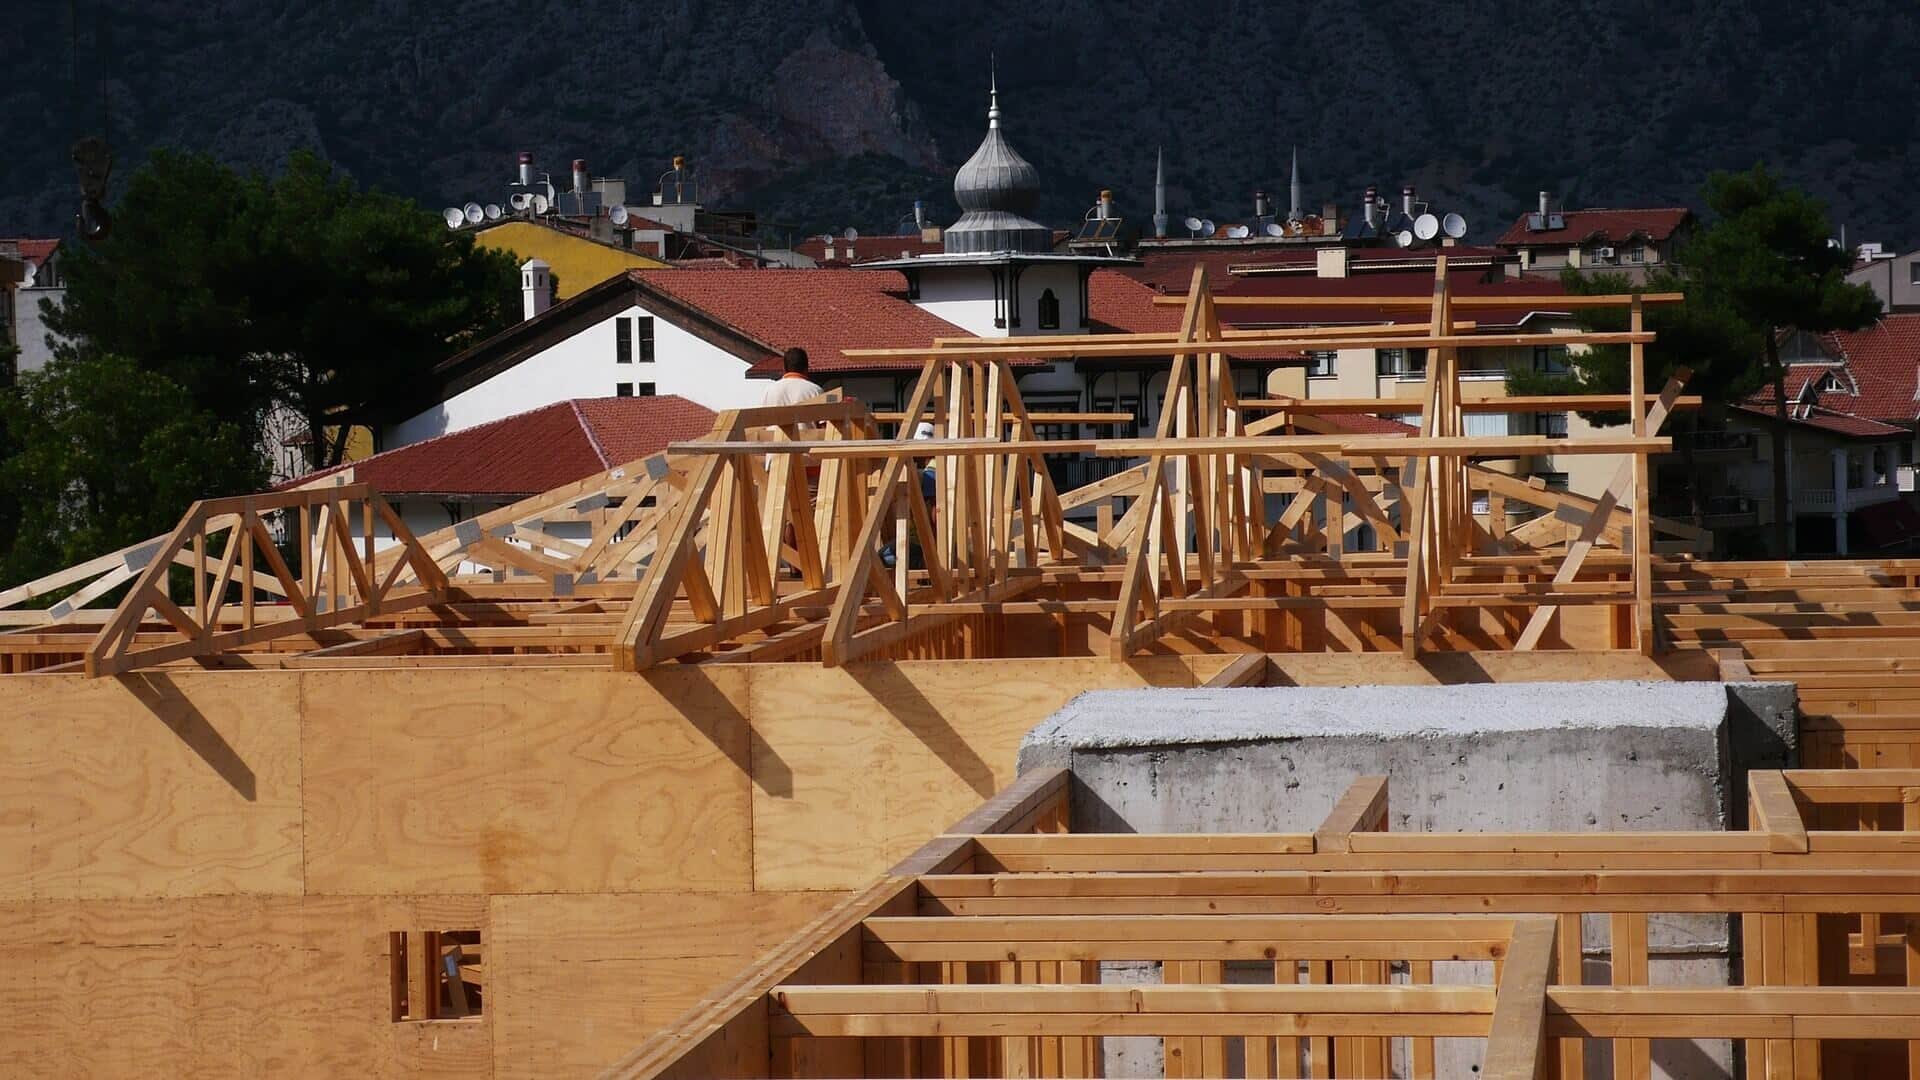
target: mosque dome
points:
(997, 189)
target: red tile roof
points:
(1117, 304)
(1853, 427)
(1171, 269)
(1413, 283)
(1611, 226)
(1879, 370)
(1366, 423)
(1884, 360)
(869, 248)
(31, 250)
(822, 311)
(534, 451)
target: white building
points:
(21, 323)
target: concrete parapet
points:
(1577, 757)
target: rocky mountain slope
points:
(841, 112)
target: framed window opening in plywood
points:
(436, 975)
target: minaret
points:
(1293, 189)
(1160, 193)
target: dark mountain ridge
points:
(841, 112)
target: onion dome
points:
(997, 189)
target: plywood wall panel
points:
(522, 780)
(221, 987)
(580, 980)
(855, 767)
(149, 785)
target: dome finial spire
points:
(993, 91)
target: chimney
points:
(536, 288)
(920, 214)
(1330, 219)
(1368, 206)
(1545, 197)
(1406, 200)
(581, 184)
(1106, 204)
(1259, 205)
(526, 168)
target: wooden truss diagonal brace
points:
(1596, 522)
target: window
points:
(1637, 253)
(646, 338)
(1552, 424)
(623, 341)
(1550, 359)
(1049, 311)
(624, 389)
(1402, 362)
(1320, 363)
(645, 389)
(433, 974)
(1913, 272)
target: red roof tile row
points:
(533, 451)
(1600, 224)
(825, 312)
(1878, 371)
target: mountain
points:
(841, 112)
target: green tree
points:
(1768, 258)
(107, 454)
(1762, 264)
(299, 291)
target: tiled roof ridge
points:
(593, 437)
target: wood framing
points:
(981, 955)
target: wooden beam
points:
(1362, 808)
(1516, 1037)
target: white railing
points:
(1828, 501)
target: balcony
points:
(1842, 501)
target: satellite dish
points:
(1426, 226)
(520, 200)
(1238, 232)
(475, 214)
(492, 210)
(455, 217)
(1454, 225)
(1274, 229)
(1193, 224)
(617, 215)
(850, 234)
(1207, 227)
(1403, 238)
(541, 202)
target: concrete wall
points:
(1575, 757)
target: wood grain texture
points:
(522, 780)
(579, 980)
(221, 986)
(855, 767)
(148, 785)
